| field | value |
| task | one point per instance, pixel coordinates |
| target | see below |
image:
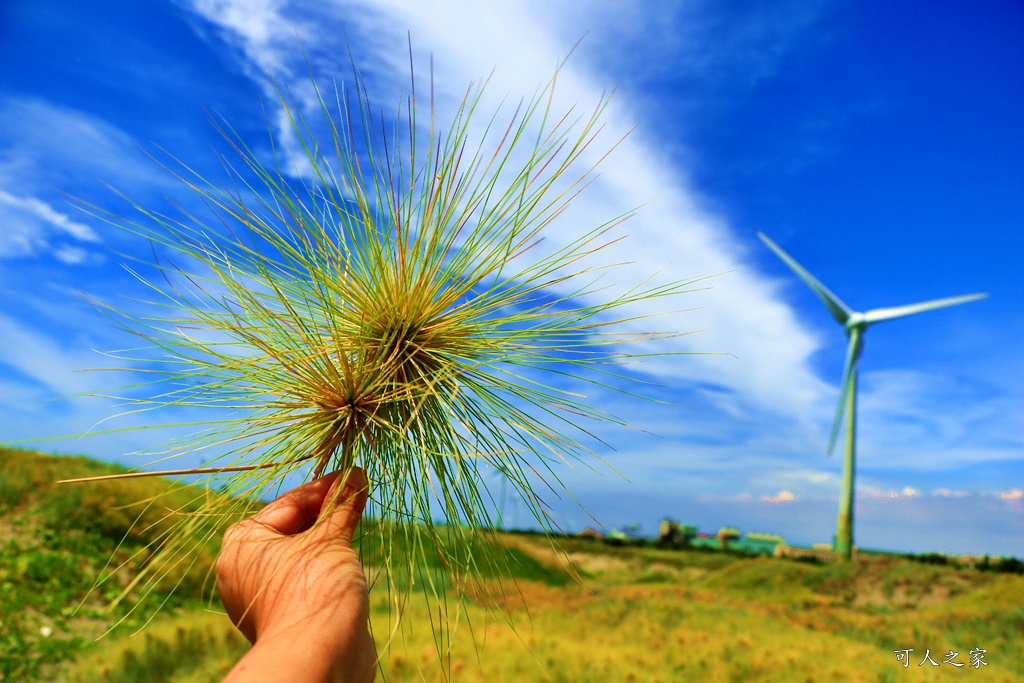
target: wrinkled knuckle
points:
(236, 531)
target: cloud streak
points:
(741, 315)
(30, 226)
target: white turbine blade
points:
(839, 310)
(879, 314)
(849, 373)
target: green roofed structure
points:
(758, 544)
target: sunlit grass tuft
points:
(382, 296)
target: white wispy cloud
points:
(934, 421)
(50, 152)
(45, 145)
(742, 315)
(906, 492)
(74, 256)
(783, 497)
(31, 227)
(263, 31)
(37, 355)
(47, 214)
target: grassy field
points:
(637, 613)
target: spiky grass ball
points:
(386, 303)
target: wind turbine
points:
(855, 324)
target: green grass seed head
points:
(388, 306)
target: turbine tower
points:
(855, 324)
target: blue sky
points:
(879, 143)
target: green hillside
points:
(637, 612)
(56, 540)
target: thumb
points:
(343, 505)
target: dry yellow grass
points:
(650, 615)
(642, 614)
(661, 633)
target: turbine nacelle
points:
(857, 321)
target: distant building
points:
(668, 532)
(705, 541)
(616, 537)
(758, 544)
(727, 536)
(674, 533)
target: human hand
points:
(291, 582)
